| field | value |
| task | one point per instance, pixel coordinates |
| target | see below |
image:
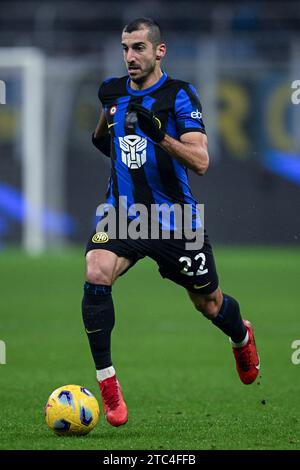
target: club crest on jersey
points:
(100, 237)
(133, 151)
(113, 110)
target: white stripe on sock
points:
(242, 343)
(103, 374)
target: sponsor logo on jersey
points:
(196, 114)
(133, 150)
(100, 237)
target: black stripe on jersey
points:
(168, 176)
(114, 178)
(164, 161)
(142, 192)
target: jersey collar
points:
(154, 87)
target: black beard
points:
(138, 80)
(143, 78)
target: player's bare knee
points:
(98, 277)
(99, 270)
(95, 275)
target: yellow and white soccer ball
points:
(72, 409)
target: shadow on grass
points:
(112, 436)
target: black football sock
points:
(99, 318)
(229, 319)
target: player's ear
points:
(160, 51)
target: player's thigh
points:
(109, 258)
(104, 267)
(122, 265)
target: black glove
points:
(148, 122)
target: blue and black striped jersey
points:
(140, 169)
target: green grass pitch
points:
(176, 369)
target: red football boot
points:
(114, 406)
(247, 358)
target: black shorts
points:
(194, 270)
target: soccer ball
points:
(72, 409)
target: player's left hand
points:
(148, 122)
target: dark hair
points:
(155, 33)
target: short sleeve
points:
(103, 89)
(188, 111)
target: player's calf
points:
(224, 312)
(99, 319)
(209, 304)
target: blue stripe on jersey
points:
(110, 195)
(148, 102)
(125, 185)
(158, 192)
(193, 90)
(185, 188)
(184, 109)
(110, 200)
(153, 176)
(180, 170)
(171, 128)
(150, 89)
(181, 173)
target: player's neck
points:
(150, 80)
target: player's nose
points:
(130, 57)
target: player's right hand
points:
(148, 122)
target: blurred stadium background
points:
(242, 57)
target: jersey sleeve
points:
(103, 92)
(188, 111)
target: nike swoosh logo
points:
(201, 287)
(258, 365)
(92, 331)
(112, 124)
